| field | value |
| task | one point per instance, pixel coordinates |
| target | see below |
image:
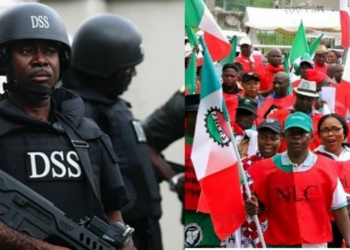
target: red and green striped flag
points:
(214, 158)
(198, 15)
(232, 56)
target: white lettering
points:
(46, 21)
(58, 164)
(33, 165)
(74, 164)
(40, 22)
(34, 22)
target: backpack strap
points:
(81, 148)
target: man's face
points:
(303, 68)
(246, 49)
(275, 58)
(338, 72)
(304, 103)
(244, 118)
(268, 142)
(36, 62)
(126, 79)
(320, 59)
(298, 140)
(280, 86)
(230, 77)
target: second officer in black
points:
(105, 51)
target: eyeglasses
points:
(334, 130)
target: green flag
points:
(192, 38)
(232, 56)
(198, 15)
(286, 69)
(299, 46)
(190, 74)
(314, 45)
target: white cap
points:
(245, 40)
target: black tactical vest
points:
(129, 142)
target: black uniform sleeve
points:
(113, 192)
(166, 124)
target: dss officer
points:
(37, 121)
(106, 50)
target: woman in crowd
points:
(333, 129)
(332, 57)
(251, 86)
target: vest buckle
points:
(80, 144)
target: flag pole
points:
(238, 160)
(246, 185)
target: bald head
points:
(275, 51)
(338, 72)
(283, 76)
(331, 69)
(274, 57)
(280, 84)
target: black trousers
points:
(147, 234)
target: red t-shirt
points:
(266, 75)
(248, 65)
(321, 68)
(231, 102)
(280, 103)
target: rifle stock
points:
(26, 211)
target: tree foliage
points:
(253, 3)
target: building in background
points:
(319, 4)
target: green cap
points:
(299, 120)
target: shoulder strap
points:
(81, 148)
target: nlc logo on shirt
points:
(53, 165)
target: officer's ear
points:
(3, 61)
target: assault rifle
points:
(26, 211)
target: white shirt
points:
(343, 156)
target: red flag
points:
(214, 158)
(344, 22)
(343, 89)
(198, 15)
(315, 75)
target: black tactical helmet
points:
(105, 44)
(33, 21)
